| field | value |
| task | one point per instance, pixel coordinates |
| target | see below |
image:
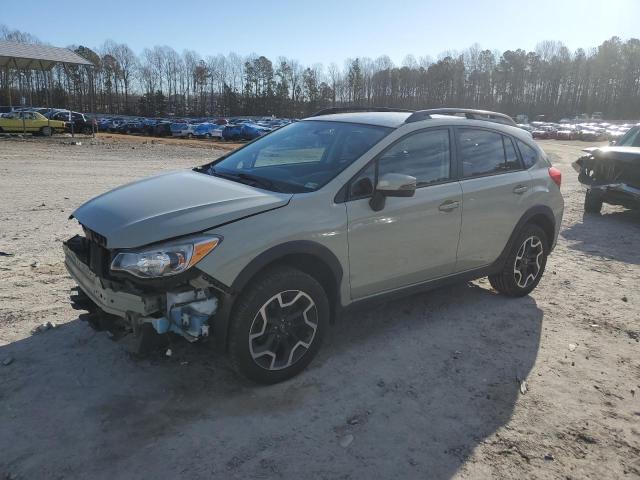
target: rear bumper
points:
(111, 301)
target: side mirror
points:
(397, 185)
(392, 185)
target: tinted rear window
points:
(529, 155)
(484, 152)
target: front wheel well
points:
(313, 266)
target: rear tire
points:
(525, 263)
(592, 202)
(277, 325)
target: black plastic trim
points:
(297, 247)
(526, 217)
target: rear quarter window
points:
(485, 152)
(529, 155)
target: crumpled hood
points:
(170, 205)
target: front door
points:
(411, 239)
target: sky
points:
(325, 30)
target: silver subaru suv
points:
(264, 248)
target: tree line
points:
(550, 80)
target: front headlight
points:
(166, 259)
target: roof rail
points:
(332, 110)
(469, 113)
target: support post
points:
(6, 71)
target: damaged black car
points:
(612, 174)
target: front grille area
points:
(99, 259)
(91, 253)
(94, 237)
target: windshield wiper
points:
(248, 179)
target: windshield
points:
(630, 139)
(301, 157)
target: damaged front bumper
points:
(185, 310)
(609, 180)
(618, 194)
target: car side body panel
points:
(490, 210)
(409, 240)
(311, 218)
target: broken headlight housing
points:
(165, 259)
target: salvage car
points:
(543, 132)
(263, 248)
(30, 122)
(566, 134)
(208, 130)
(162, 129)
(611, 174)
(130, 127)
(232, 132)
(182, 129)
(76, 122)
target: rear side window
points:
(529, 155)
(424, 155)
(486, 153)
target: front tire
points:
(524, 265)
(278, 325)
(46, 131)
(592, 202)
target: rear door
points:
(411, 239)
(495, 192)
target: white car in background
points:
(182, 130)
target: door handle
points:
(520, 189)
(449, 205)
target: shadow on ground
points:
(612, 235)
(418, 382)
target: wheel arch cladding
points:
(546, 224)
(312, 258)
(539, 215)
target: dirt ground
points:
(424, 387)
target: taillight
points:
(556, 175)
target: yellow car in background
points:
(31, 122)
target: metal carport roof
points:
(37, 57)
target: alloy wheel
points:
(283, 330)
(527, 265)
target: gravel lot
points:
(425, 387)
